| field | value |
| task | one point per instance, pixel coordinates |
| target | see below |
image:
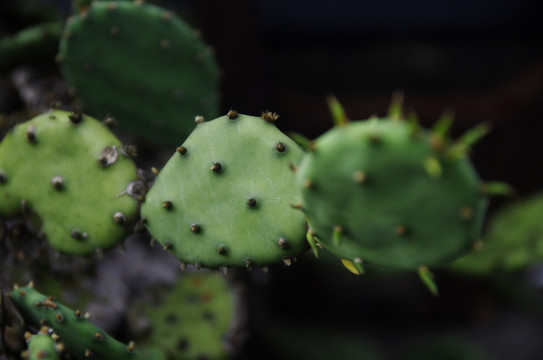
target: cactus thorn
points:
(337, 235)
(280, 147)
(282, 243)
(57, 182)
(119, 218)
(195, 228)
(167, 246)
(251, 203)
(182, 150)
(466, 213)
(198, 119)
(75, 117)
(248, 264)
(478, 245)
(216, 167)
(108, 156)
(3, 177)
(167, 205)
(232, 114)
(221, 250)
(339, 116)
(30, 134)
(88, 353)
(428, 279)
(308, 184)
(400, 230)
(129, 151)
(182, 266)
(198, 265)
(109, 121)
(98, 336)
(270, 117)
(359, 177)
(287, 261)
(130, 347)
(59, 318)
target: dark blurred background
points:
(483, 59)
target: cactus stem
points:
(282, 243)
(195, 228)
(57, 182)
(216, 167)
(251, 203)
(182, 150)
(232, 114)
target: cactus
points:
(30, 44)
(153, 82)
(196, 319)
(390, 193)
(41, 346)
(79, 336)
(513, 240)
(71, 171)
(223, 198)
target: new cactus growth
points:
(70, 170)
(196, 320)
(130, 59)
(41, 346)
(223, 198)
(389, 193)
(79, 336)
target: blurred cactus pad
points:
(513, 240)
(223, 198)
(391, 193)
(70, 170)
(142, 65)
(196, 320)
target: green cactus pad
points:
(41, 347)
(223, 198)
(142, 65)
(513, 240)
(80, 337)
(195, 320)
(70, 170)
(388, 193)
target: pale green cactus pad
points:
(41, 347)
(71, 171)
(142, 65)
(223, 198)
(386, 192)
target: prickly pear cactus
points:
(142, 65)
(223, 198)
(79, 336)
(70, 170)
(513, 240)
(196, 320)
(390, 193)
(40, 346)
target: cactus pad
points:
(196, 319)
(223, 198)
(41, 346)
(392, 194)
(70, 170)
(141, 64)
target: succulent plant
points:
(70, 170)
(223, 198)
(513, 240)
(79, 336)
(389, 193)
(142, 65)
(196, 320)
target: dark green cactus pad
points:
(196, 319)
(141, 64)
(223, 198)
(80, 337)
(388, 193)
(70, 170)
(513, 240)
